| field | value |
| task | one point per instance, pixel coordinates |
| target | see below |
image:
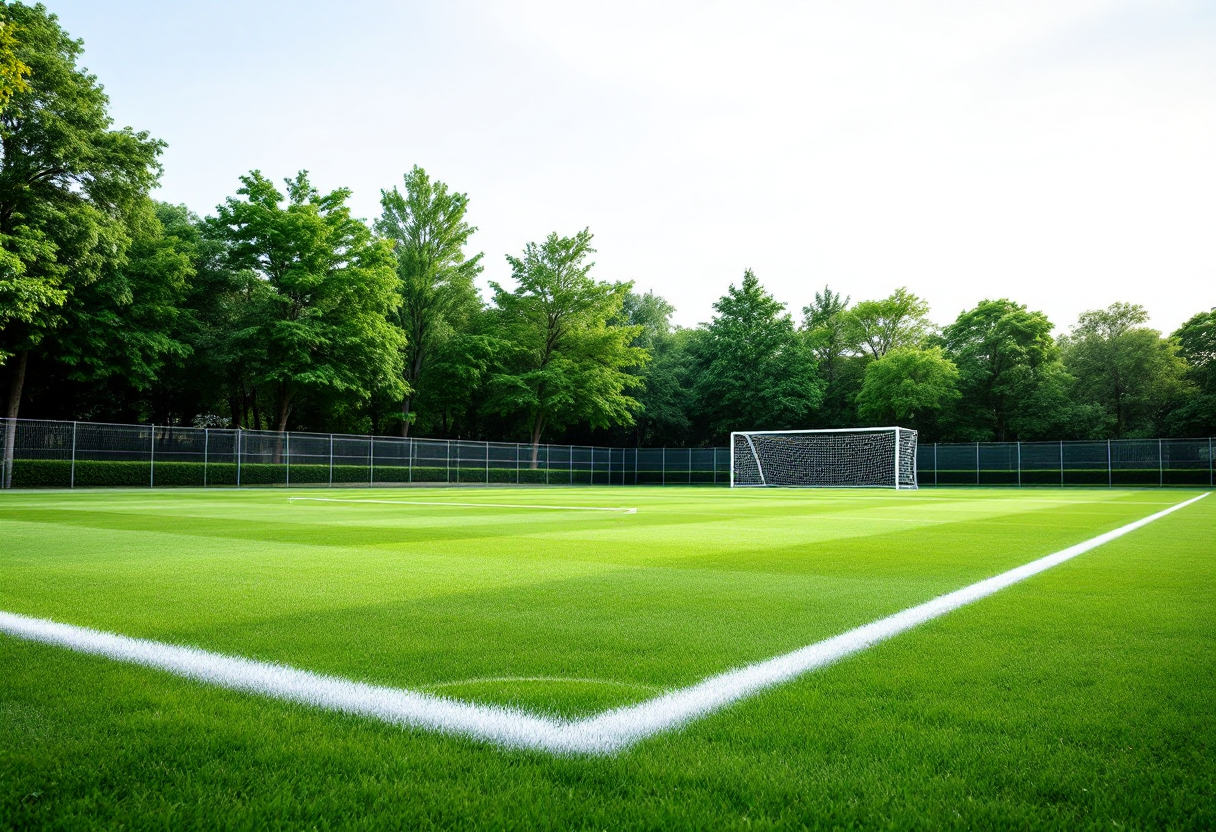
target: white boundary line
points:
(617, 509)
(604, 733)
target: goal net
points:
(843, 458)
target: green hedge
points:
(57, 473)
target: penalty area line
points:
(615, 509)
(604, 733)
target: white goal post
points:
(831, 458)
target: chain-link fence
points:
(44, 454)
(1129, 462)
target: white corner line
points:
(604, 733)
(616, 509)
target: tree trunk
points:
(284, 410)
(537, 427)
(253, 405)
(10, 415)
(405, 415)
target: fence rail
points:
(46, 454)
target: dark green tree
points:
(831, 334)
(906, 385)
(753, 369)
(662, 417)
(317, 321)
(1127, 368)
(122, 327)
(564, 359)
(427, 227)
(1003, 352)
(70, 188)
(879, 326)
(1196, 340)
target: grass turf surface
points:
(1079, 698)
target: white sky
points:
(1059, 153)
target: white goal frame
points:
(892, 429)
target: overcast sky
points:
(1058, 153)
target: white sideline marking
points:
(605, 733)
(618, 509)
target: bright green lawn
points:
(1082, 697)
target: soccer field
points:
(1080, 697)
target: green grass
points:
(1081, 698)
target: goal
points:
(836, 458)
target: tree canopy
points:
(319, 322)
(564, 358)
(751, 346)
(428, 231)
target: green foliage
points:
(1125, 367)
(1004, 353)
(318, 318)
(122, 325)
(753, 370)
(13, 71)
(906, 385)
(565, 360)
(427, 228)
(900, 320)
(70, 186)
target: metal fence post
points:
(1061, 464)
(447, 462)
(547, 447)
(238, 456)
(487, 463)
(152, 459)
(206, 450)
(1160, 462)
(517, 463)
(570, 459)
(413, 445)
(1019, 463)
(72, 480)
(287, 456)
(935, 463)
(371, 460)
(977, 463)
(331, 459)
(664, 464)
(1110, 471)
(1211, 468)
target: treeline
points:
(281, 310)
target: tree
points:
(1196, 340)
(826, 322)
(1127, 368)
(663, 401)
(754, 371)
(907, 384)
(428, 231)
(880, 326)
(122, 326)
(320, 325)
(1002, 351)
(13, 71)
(832, 335)
(564, 359)
(69, 187)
